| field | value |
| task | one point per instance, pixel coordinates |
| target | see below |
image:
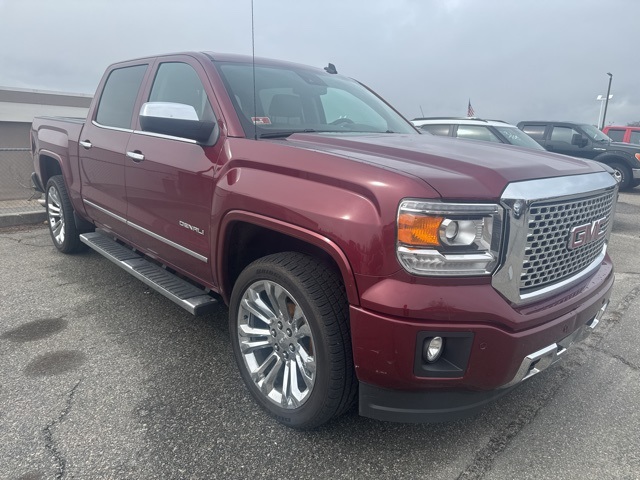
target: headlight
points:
(448, 239)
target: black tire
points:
(635, 183)
(623, 175)
(306, 304)
(62, 225)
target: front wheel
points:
(62, 226)
(289, 327)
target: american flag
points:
(470, 112)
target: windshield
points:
(594, 134)
(293, 99)
(515, 136)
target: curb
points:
(25, 218)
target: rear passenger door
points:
(102, 148)
(170, 179)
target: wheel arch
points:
(244, 237)
(50, 164)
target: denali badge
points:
(587, 233)
(190, 227)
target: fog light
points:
(433, 349)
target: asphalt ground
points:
(102, 378)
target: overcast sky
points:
(515, 59)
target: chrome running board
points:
(193, 299)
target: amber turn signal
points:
(419, 230)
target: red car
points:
(623, 134)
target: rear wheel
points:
(289, 328)
(622, 173)
(62, 226)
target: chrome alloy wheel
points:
(276, 344)
(56, 215)
(618, 175)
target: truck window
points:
(534, 131)
(562, 134)
(178, 82)
(292, 98)
(616, 135)
(477, 132)
(635, 138)
(119, 96)
(338, 104)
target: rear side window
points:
(635, 138)
(534, 131)
(616, 135)
(119, 96)
(476, 132)
(442, 130)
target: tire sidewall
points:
(69, 230)
(626, 181)
(312, 408)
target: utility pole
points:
(606, 100)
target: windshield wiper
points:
(285, 133)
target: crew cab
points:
(360, 260)
(586, 141)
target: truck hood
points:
(455, 168)
(625, 147)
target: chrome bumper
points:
(539, 361)
(636, 173)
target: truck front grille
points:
(547, 257)
(556, 234)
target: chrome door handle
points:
(135, 156)
(86, 144)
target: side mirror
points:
(176, 120)
(579, 140)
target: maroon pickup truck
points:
(360, 260)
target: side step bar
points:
(188, 296)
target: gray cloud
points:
(513, 59)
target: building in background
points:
(19, 106)
(17, 109)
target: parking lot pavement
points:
(101, 378)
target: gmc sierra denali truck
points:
(360, 260)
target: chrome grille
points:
(547, 258)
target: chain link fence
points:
(16, 193)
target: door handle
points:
(135, 156)
(86, 144)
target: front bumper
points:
(636, 173)
(385, 351)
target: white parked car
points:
(495, 131)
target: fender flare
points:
(308, 236)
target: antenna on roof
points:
(253, 63)
(331, 68)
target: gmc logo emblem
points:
(587, 233)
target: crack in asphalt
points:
(624, 305)
(620, 358)
(485, 457)
(22, 241)
(48, 434)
